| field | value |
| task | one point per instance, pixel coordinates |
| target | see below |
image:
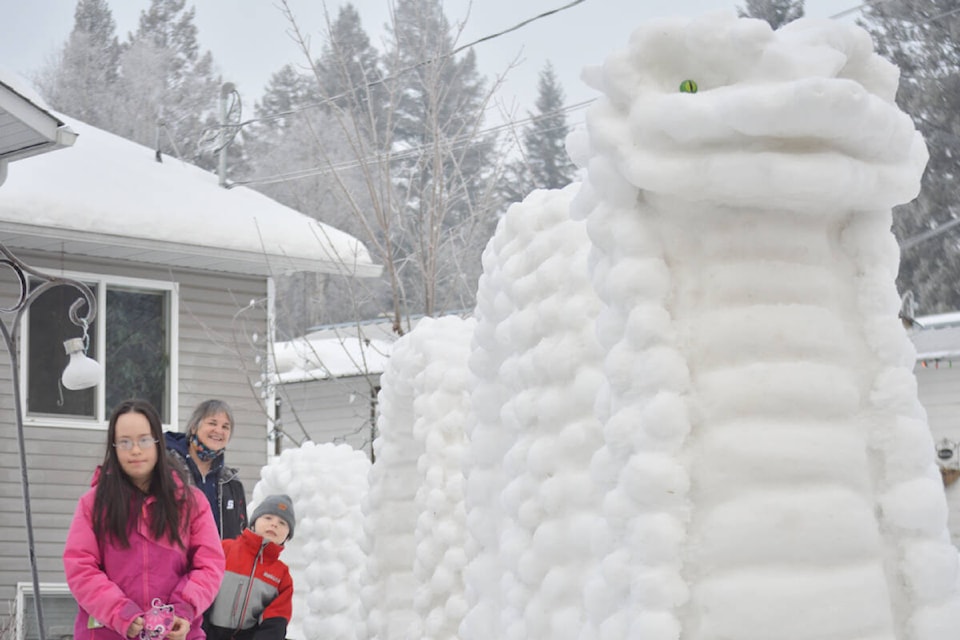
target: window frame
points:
(99, 284)
(26, 588)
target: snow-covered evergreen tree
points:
(443, 162)
(300, 156)
(544, 163)
(82, 79)
(544, 138)
(348, 72)
(279, 111)
(169, 88)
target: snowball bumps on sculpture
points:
(743, 255)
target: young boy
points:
(255, 600)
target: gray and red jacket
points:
(255, 601)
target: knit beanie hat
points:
(279, 505)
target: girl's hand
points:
(179, 629)
(135, 628)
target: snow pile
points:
(765, 455)
(414, 512)
(537, 363)
(327, 484)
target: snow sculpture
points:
(326, 556)
(767, 468)
(415, 515)
(537, 362)
(390, 515)
(442, 410)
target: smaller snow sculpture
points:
(327, 484)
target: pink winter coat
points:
(113, 585)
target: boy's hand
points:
(135, 627)
(179, 629)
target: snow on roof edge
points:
(19, 85)
(106, 183)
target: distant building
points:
(327, 383)
(937, 341)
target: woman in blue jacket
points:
(201, 452)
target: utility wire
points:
(462, 140)
(350, 164)
(855, 9)
(913, 241)
(407, 69)
(458, 142)
(517, 26)
(876, 2)
(942, 15)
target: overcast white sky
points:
(249, 38)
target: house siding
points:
(938, 387)
(337, 411)
(216, 359)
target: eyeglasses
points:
(126, 444)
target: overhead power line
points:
(454, 143)
(913, 241)
(417, 65)
(871, 3)
(862, 5)
(942, 15)
(855, 9)
(462, 140)
(517, 26)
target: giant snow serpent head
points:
(802, 118)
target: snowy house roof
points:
(335, 351)
(27, 126)
(108, 197)
(339, 350)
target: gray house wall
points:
(215, 360)
(339, 410)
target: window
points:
(133, 337)
(59, 611)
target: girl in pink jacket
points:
(141, 537)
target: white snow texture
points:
(684, 407)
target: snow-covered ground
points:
(684, 407)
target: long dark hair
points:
(117, 501)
